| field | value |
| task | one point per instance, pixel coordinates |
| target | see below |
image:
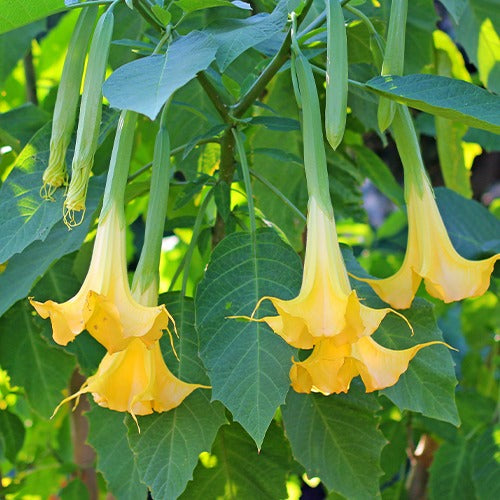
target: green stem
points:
(116, 181)
(406, 139)
(239, 109)
(214, 96)
(147, 272)
(246, 177)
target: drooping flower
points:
(135, 380)
(326, 307)
(330, 368)
(430, 255)
(104, 305)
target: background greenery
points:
(252, 437)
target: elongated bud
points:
(89, 121)
(336, 74)
(393, 58)
(55, 174)
(146, 277)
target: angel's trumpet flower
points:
(104, 305)
(326, 307)
(135, 380)
(430, 255)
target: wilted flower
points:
(135, 380)
(330, 368)
(104, 305)
(326, 307)
(430, 255)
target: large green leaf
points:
(484, 464)
(24, 216)
(11, 435)
(22, 123)
(193, 5)
(28, 266)
(247, 363)
(234, 36)
(16, 13)
(31, 362)
(337, 439)
(169, 443)
(450, 472)
(13, 46)
(442, 96)
(146, 84)
(108, 436)
(235, 469)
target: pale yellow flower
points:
(135, 380)
(104, 305)
(326, 307)
(430, 256)
(330, 368)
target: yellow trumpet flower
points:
(430, 255)
(135, 380)
(326, 307)
(104, 305)
(330, 368)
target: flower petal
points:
(66, 318)
(380, 367)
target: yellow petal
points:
(320, 371)
(115, 325)
(380, 367)
(330, 368)
(169, 392)
(66, 318)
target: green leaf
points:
(192, 5)
(14, 45)
(337, 439)
(247, 363)
(169, 443)
(16, 13)
(31, 362)
(478, 32)
(449, 137)
(473, 230)
(236, 469)
(484, 464)
(235, 36)
(115, 460)
(146, 84)
(378, 172)
(28, 266)
(450, 472)
(455, 7)
(442, 96)
(24, 216)
(11, 435)
(22, 123)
